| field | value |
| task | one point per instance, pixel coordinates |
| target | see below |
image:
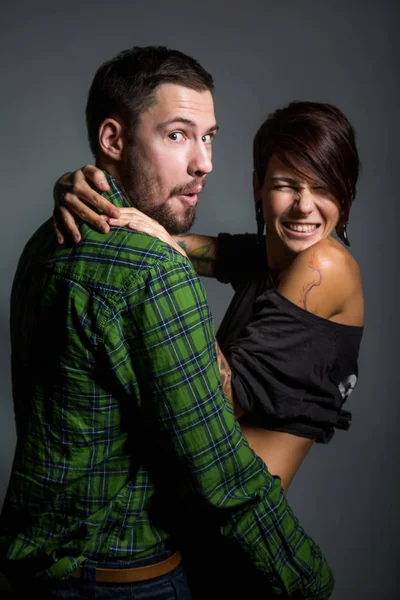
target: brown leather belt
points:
(136, 573)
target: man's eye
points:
(176, 136)
(207, 138)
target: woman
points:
(292, 332)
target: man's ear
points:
(256, 188)
(111, 139)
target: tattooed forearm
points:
(226, 376)
(201, 251)
(225, 372)
(182, 244)
(316, 266)
(203, 267)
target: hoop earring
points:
(260, 223)
(343, 235)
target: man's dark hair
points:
(125, 85)
(314, 139)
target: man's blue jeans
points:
(172, 586)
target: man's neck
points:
(108, 166)
(112, 169)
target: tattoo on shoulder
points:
(316, 266)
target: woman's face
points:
(298, 213)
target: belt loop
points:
(88, 581)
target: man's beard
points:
(143, 189)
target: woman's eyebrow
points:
(286, 180)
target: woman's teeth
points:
(303, 228)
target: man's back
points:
(79, 470)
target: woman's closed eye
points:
(286, 188)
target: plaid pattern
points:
(113, 358)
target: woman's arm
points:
(74, 196)
(226, 377)
(201, 250)
(283, 453)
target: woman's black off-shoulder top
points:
(291, 370)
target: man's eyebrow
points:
(187, 122)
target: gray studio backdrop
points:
(262, 54)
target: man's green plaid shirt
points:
(113, 359)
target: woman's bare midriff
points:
(282, 453)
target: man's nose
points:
(200, 161)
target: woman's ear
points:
(341, 227)
(111, 139)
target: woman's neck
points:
(279, 258)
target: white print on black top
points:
(347, 386)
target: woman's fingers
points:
(118, 222)
(79, 190)
(154, 229)
(138, 221)
(121, 222)
(75, 206)
(131, 213)
(59, 234)
(69, 224)
(96, 176)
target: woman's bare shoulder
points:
(330, 255)
(323, 279)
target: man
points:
(127, 449)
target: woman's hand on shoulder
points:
(138, 221)
(325, 280)
(73, 198)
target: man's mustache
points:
(194, 187)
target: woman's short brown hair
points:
(314, 139)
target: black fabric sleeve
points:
(239, 258)
(282, 366)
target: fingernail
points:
(77, 239)
(112, 221)
(132, 225)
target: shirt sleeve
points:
(239, 258)
(173, 344)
